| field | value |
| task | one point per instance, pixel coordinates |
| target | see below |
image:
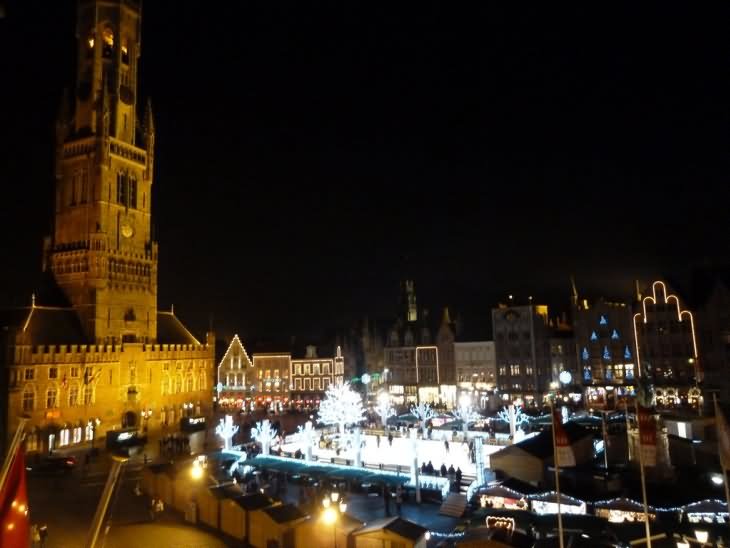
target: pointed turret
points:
(149, 139)
(574, 289)
(149, 123)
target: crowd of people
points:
(454, 475)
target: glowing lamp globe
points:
(329, 516)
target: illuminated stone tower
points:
(101, 252)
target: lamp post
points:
(333, 507)
(365, 379)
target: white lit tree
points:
(307, 437)
(341, 406)
(423, 413)
(514, 416)
(384, 409)
(226, 430)
(264, 433)
(466, 414)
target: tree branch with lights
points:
(264, 433)
(342, 406)
(424, 413)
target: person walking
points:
(153, 508)
(377, 440)
(35, 536)
(443, 470)
(390, 439)
(446, 446)
(386, 499)
(43, 534)
(398, 497)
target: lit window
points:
(73, 395)
(29, 374)
(53, 373)
(28, 399)
(51, 395)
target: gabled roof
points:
(399, 526)
(45, 325)
(285, 513)
(235, 340)
(170, 330)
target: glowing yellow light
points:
(326, 502)
(14, 504)
(11, 526)
(91, 42)
(108, 37)
(196, 471)
(21, 508)
(329, 516)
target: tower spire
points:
(574, 290)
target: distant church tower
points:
(101, 252)
(410, 297)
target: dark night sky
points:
(311, 154)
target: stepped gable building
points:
(419, 366)
(106, 359)
(666, 347)
(271, 377)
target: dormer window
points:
(107, 43)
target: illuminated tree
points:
(514, 416)
(466, 414)
(226, 430)
(423, 413)
(384, 409)
(307, 437)
(342, 406)
(264, 433)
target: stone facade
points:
(101, 357)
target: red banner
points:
(14, 505)
(647, 435)
(563, 449)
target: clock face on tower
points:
(126, 226)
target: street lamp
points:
(330, 513)
(199, 465)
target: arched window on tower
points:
(107, 43)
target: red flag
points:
(563, 449)
(14, 505)
(647, 435)
(723, 437)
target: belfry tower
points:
(101, 252)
